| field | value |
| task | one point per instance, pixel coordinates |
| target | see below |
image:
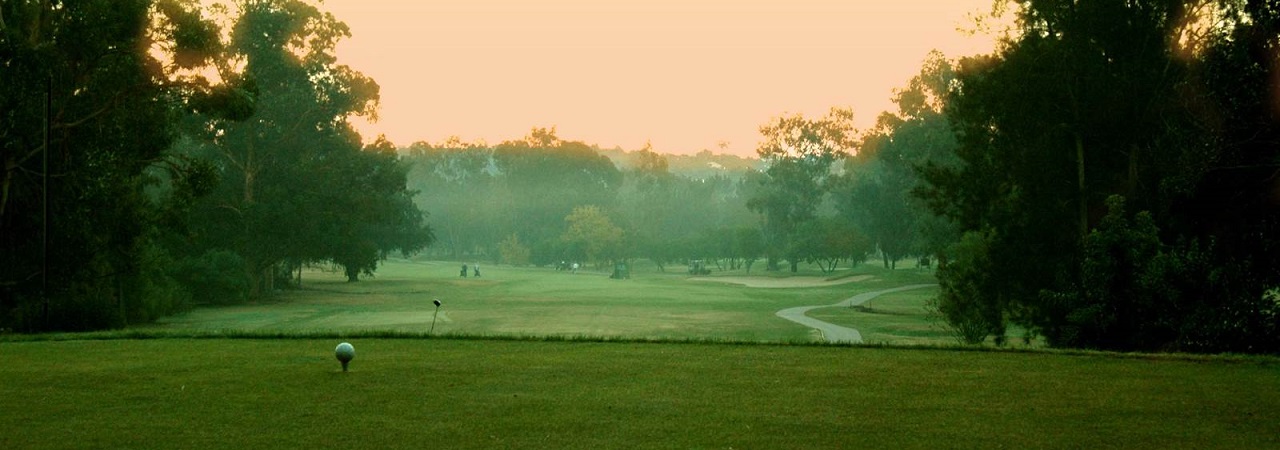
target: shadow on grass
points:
(1265, 360)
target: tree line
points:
(160, 153)
(543, 200)
(1106, 179)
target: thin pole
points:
(433, 317)
(44, 203)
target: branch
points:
(232, 208)
(20, 161)
(37, 25)
(91, 116)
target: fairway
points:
(450, 393)
(897, 318)
(528, 301)
(473, 386)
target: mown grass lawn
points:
(897, 318)
(448, 393)
(459, 392)
(542, 302)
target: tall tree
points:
(374, 213)
(540, 186)
(87, 107)
(1045, 132)
(592, 235)
(876, 190)
(459, 187)
(828, 241)
(293, 174)
(1233, 207)
(647, 203)
(799, 153)
(1094, 99)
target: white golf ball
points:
(345, 352)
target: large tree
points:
(373, 213)
(295, 186)
(798, 152)
(1094, 99)
(647, 204)
(542, 180)
(592, 236)
(876, 190)
(88, 101)
(460, 190)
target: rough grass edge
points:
(1264, 360)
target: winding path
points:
(836, 333)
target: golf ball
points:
(345, 352)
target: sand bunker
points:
(789, 282)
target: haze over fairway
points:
(685, 75)
(530, 301)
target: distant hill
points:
(702, 165)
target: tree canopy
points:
(179, 166)
(799, 153)
(87, 109)
(1091, 101)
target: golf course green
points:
(530, 301)
(534, 358)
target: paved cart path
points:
(836, 333)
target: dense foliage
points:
(165, 185)
(86, 111)
(294, 184)
(1117, 185)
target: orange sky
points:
(684, 74)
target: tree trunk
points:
(9, 168)
(1084, 204)
(249, 176)
(1132, 185)
(255, 281)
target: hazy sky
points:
(683, 74)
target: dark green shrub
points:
(217, 277)
(969, 302)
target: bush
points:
(1135, 293)
(217, 277)
(968, 301)
(154, 291)
(512, 252)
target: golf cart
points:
(698, 267)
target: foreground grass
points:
(426, 393)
